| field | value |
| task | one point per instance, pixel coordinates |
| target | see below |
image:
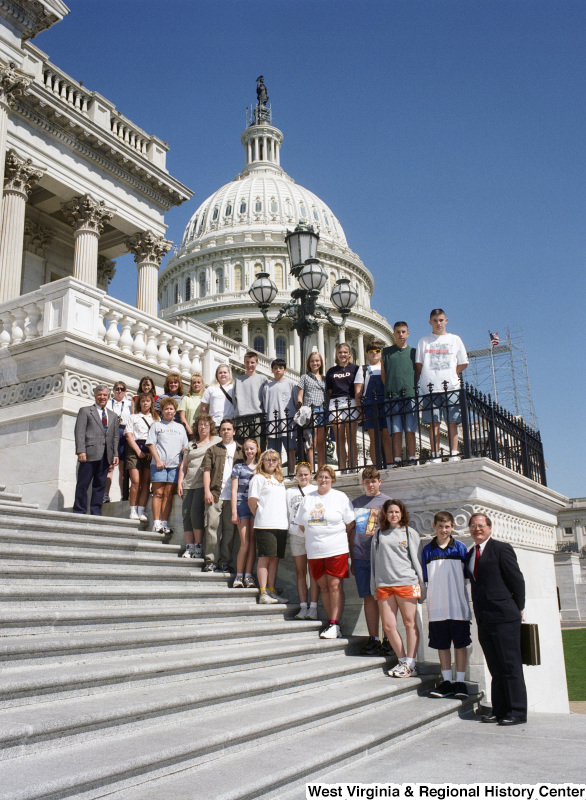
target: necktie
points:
(104, 419)
(476, 560)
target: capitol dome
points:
(240, 231)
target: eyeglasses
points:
(119, 389)
(272, 460)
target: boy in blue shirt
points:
(448, 607)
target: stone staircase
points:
(128, 673)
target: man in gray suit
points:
(96, 445)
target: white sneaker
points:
(403, 670)
(189, 552)
(143, 517)
(134, 514)
(331, 632)
(279, 597)
(311, 613)
(302, 613)
(197, 551)
(267, 599)
(157, 527)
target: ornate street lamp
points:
(303, 308)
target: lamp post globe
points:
(302, 245)
(312, 276)
(263, 291)
(344, 295)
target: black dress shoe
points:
(489, 718)
(506, 721)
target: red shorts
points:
(337, 566)
(406, 592)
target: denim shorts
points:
(403, 415)
(362, 576)
(243, 510)
(165, 475)
(343, 409)
(319, 416)
(435, 404)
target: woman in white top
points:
(190, 484)
(267, 500)
(217, 398)
(323, 517)
(138, 457)
(295, 495)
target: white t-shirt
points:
(226, 493)
(440, 355)
(220, 407)
(139, 425)
(271, 511)
(170, 440)
(325, 517)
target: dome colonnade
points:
(238, 232)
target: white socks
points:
(447, 675)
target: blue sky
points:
(446, 136)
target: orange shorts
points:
(336, 566)
(406, 592)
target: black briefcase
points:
(530, 652)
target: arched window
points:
(187, 288)
(326, 219)
(303, 211)
(315, 215)
(201, 224)
(219, 281)
(176, 294)
(279, 280)
(215, 215)
(281, 347)
(243, 207)
(258, 206)
(202, 285)
(228, 211)
(274, 206)
(257, 268)
(259, 344)
(238, 278)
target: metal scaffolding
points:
(501, 371)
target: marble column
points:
(320, 341)
(219, 327)
(148, 250)
(13, 84)
(270, 341)
(342, 334)
(20, 176)
(245, 332)
(360, 352)
(87, 216)
(297, 350)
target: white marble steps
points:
(38, 725)
(73, 678)
(128, 616)
(98, 574)
(22, 648)
(256, 746)
(24, 518)
(46, 548)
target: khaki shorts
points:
(297, 545)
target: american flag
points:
(494, 338)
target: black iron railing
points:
(350, 437)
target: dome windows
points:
(281, 347)
(238, 278)
(258, 206)
(243, 207)
(215, 214)
(315, 215)
(228, 211)
(202, 285)
(187, 289)
(302, 211)
(259, 344)
(176, 294)
(257, 268)
(326, 219)
(274, 206)
(219, 281)
(279, 277)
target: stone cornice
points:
(69, 126)
(31, 16)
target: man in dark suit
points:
(96, 445)
(498, 596)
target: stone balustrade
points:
(71, 307)
(68, 90)
(128, 133)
